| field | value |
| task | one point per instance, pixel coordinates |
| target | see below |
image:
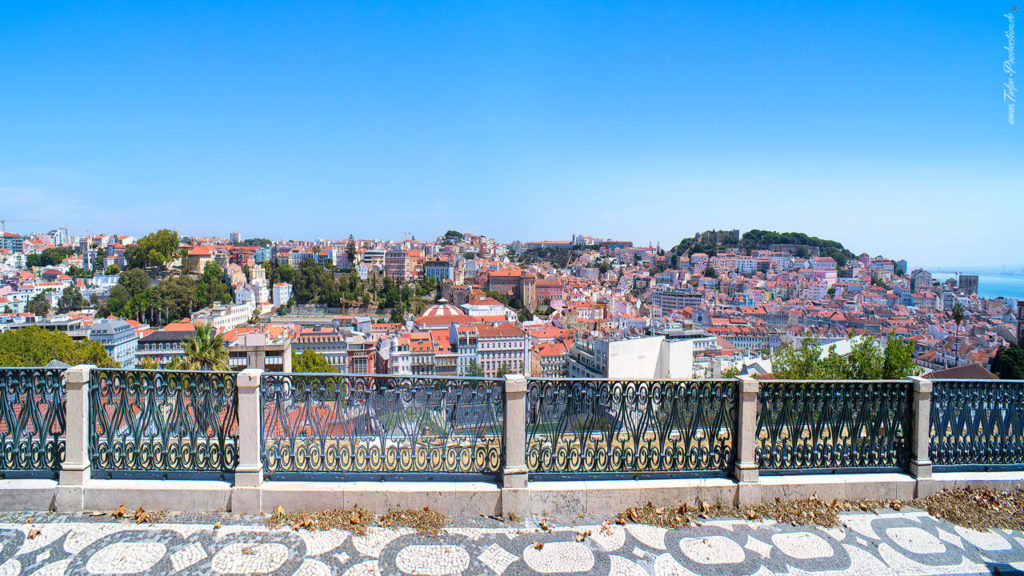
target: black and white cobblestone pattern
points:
(906, 543)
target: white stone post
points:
(246, 496)
(748, 491)
(514, 476)
(74, 472)
(920, 437)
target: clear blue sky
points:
(878, 124)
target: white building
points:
(225, 317)
(118, 338)
(647, 357)
(282, 293)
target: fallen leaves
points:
(120, 512)
(354, 520)
(425, 520)
(581, 536)
(538, 545)
(33, 533)
(976, 508)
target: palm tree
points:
(205, 350)
(958, 317)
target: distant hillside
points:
(714, 241)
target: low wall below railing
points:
(91, 439)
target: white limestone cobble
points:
(869, 545)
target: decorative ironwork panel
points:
(31, 420)
(381, 424)
(833, 424)
(977, 423)
(163, 421)
(630, 426)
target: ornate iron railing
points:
(165, 423)
(31, 422)
(977, 424)
(833, 425)
(381, 426)
(629, 428)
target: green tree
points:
(71, 299)
(134, 281)
(710, 272)
(958, 317)
(398, 314)
(54, 256)
(474, 369)
(205, 350)
(311, 361)
(154, 250)
(38, 305)
(113, 270)
(866, 361)
(503, 370)
(1008, 363)
(34, 346)
(350, 249)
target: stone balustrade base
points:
(555, 500)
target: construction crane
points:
(4, 221)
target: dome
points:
(442, 310)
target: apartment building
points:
(118, 339)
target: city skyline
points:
(882, 127)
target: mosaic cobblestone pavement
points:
(908, 542)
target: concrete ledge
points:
(556, 499)
(991, 480)
(27, 495)
(604, 497)
(449, 498)
(176, 495)
(841, 486)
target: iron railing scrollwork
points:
(32, 421)
(977, 424)
(166, 421)
(381, 426)
(630, 428)
(833, 425)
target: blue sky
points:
(878, 124)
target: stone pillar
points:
(246, 496)
(748, 491)
(920, 436)
(74, 472)
(514, 476)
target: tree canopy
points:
(154, 250)
(172, 299)
(762, 240)
(1008, 363)
(866, 361)
(71, 299)
(35, 346)
(49, 257)
(38, 304)
(205, 350)
(310, 361)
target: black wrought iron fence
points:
(162, 423)
(977, 424)
(32, 422)
(833, 426)
(327, 426)
(629, 428)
